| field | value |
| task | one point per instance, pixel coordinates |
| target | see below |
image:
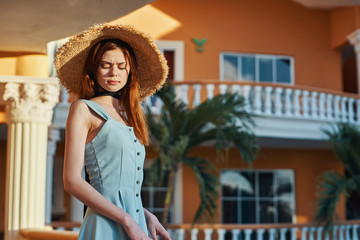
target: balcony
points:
(284, 115)
(345, 230)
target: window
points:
(153, 197)
(257, 196)
(257, 68)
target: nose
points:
(114, 70)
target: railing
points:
(348, 230)
(275, 100)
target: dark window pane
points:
(285, 210)
(145, 198)
(267, 212)
(283, 71)
(248, 212)
(266, 183)
(265, 70)
(230, 67)
(159, 199)
(284, 183)
(247, 184)
(229, 212)
(248, 68)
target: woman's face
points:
(113, 70)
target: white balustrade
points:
(288, 105)
(210, 90)
(322, 105)
(351, 113)
(305, 103)
(314, 107)
(257, 100)
(268, 101)
(278, 102)
(307, 232)
(197, 91)
(344, 116)
(223, 88)
(296, 102)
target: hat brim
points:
(70, 59)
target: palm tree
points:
(178, 129)
(345, 141)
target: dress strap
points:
(97, 108)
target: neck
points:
(109, 101)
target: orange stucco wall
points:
(259, 26)
(307, 165)
(343, 21)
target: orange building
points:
(296, 63)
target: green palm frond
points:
(179, 129)
(207, 177)
(331, 186)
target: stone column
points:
(29, 108)
(354, 39)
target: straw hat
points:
(70, 59)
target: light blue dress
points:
(114, 161)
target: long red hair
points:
(129, 96)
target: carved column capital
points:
(30, 101)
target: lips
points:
(113, 82)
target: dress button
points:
(135, 140)
(138, 168)
(137, 210)
(138, 153)
(130, 129)
(137, 182)
(137, 195)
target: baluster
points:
(303, 233)
(344, 112)
(293, 233)
(278, 103)
(358, 110)
(322, 105)
(246, 94)
(288, 104)
(180, 234)
(329, 106)
(194, 233)
(221, 234)
(334, 233)
(208, 232)
(268, 102)
(223, 88)
(257, 99)
(171, 233)
(351, 113)
(347, 232)
(210, 90)
(337, 108)
(327, 236)
(319, 233)
(305, 103)
(184, 94)
(311, 233)
(248, 233)
(341, 232)
(355, 232)
(272, 232)
(235, 234)
(236, 89)
(197, 99)
(260, 234)
(296, 102)
(314, 108)
(283, 233)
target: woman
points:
(111, 69)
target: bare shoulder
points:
(79, 112)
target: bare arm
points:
(77, 128)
